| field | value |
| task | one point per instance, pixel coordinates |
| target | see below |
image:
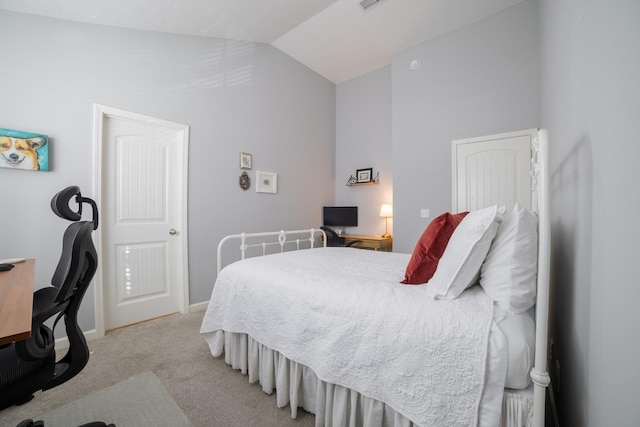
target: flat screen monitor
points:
(340, 216)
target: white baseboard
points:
(62, 344)
(200, 306)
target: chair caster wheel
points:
(31, 423)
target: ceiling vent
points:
(370, 4)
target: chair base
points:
(21, 391)
(39, 423)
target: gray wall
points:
(590, 63)
(235, 96)
(581, 57)
(479, 80)
(363, 140)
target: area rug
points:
(141, 400)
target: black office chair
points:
(30, 365)
(333, 240)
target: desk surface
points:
(364, 237)
(369, 242)
(16, 301)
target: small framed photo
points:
(364, 175)
(245, 161)
(266, 182)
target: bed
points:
(335, 332)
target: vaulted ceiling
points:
(336, 38)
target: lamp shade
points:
(386, 211)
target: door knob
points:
(173, 232)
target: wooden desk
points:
(369, 242)
(16, 301)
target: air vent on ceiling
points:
(368, 4)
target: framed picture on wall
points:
(24, 150)
(266, 182)
(364, 175)
(245, 161)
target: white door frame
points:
(100, 113)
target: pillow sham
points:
(460, 264)
(520, 332)
(430, 247)
(509, 272)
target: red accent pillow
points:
(430, 247)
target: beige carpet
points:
(206, 389)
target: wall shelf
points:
(353, 181)
(357, 184)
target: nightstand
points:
(369, 242)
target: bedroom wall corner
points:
(589, 104)
(478, 80)
(363, 140)
(234, 96)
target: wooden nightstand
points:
(369, 242)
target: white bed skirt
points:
(333, 405)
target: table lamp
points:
(386, 211)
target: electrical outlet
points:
(424, 213)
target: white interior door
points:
(492, 170)
(144, 238)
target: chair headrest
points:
(60, 205)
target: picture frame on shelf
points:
(245, 160)
(364, 175)
(266, 182)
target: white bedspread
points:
(343, 313)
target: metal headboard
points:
(283, 237)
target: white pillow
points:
(460, 264)
(520, 332)
(508, 274)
